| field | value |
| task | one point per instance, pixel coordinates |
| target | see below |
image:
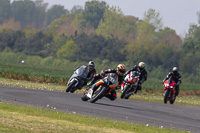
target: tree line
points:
(98, 32)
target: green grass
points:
(154, 85)
(15, 118)
(60, 76)
(24, 72)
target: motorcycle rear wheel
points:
(70, 86)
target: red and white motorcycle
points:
(169, 88)
(130, 84)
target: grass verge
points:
(15, 118)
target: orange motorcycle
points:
(101, 88)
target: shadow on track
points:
(117, 106)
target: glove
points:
(176, 85)
(89, 84)
(163, 82)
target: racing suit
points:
(142, 78)
(113, 95)
(177, 78)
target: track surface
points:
(185, 118)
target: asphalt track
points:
(178, 117)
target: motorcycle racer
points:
(176, 77)
(120, 70)
(143, 74)
(92, 71)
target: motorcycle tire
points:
(84, 97)
(126, 88)
(70, 86)
(127, 97)
(98, 95)
(173, 100)
(166, 96)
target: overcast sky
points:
(176, 14)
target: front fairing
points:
(82, 72)
(80, 80)
(169, 84)
(132, 78)
(111, 79)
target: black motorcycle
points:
(78, 79)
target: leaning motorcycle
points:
(77, 79)
(130, 84)
(169, 88)
(101, 88)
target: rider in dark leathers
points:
(92, 71)
(176, 77)
(121, 69)
(143, 74)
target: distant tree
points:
(24, 11)
(55, 12)
(68, 50)
(76, 9)
(115, 24)
(169, 37)
(5, 10)
(59, 41)
(38, 44)
(93, 46)
(190, 51)
(7, 39)
(40, 15)
(94, 11)
(154, 18)
(11, 24)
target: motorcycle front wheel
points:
(125, 91)
(71, 85)
(84, 97)
(173, 100)
(166, 96)
(98, 94)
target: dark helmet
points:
(141, 65)
(175, 70)
(91, 65)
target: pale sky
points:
(176, 14)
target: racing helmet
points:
(141, 66)
(175, 70)
(91, 65)
(121, 69)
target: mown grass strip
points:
(15, 118)
(61, 76)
